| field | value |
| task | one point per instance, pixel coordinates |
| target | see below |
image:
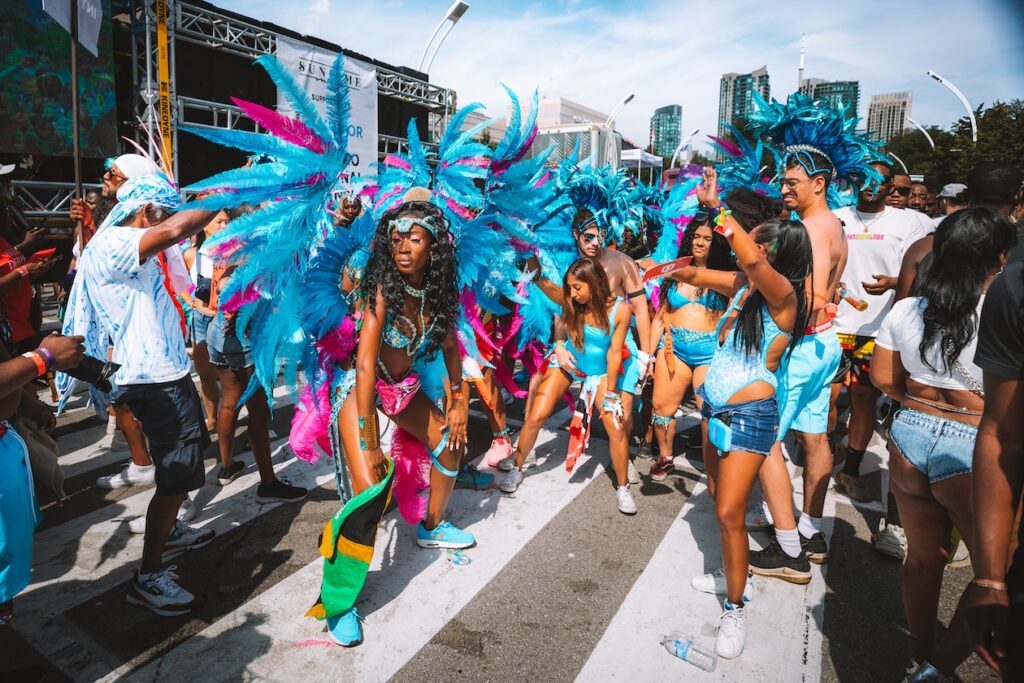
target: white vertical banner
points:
(311, 66)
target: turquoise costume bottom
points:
(19, 514)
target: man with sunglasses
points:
(899, 195)
(805, 379)
(877, 236)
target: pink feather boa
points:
(412, 476)
(311, 424)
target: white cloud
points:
(669, 52)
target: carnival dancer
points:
(684, 334)
(399, 288)
(820, 151)
(596, 324)
(762, 325)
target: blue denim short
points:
(227, 351)
(936, 447)
(754, 423)
(692, 347)
(200, 325)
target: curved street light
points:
(453, 15)
(960, 95)
(683, 143)
(921, 128)
(626, 100)
(899, 160)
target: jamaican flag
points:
(347, 546)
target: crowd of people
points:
(833, 280)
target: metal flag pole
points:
(75, 143)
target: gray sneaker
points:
(511, 481)
(509, 463)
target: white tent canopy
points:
(637, 158)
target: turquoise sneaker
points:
(345, 628)
(444, 535)
(472, 478)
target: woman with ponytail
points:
(924, 360)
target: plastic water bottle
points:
(682, 646)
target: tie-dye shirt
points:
(132, 306)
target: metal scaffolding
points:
(41, 199)
(209, 28)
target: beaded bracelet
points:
(990, 584)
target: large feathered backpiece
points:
(271, 247)
(803, 125)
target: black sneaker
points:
(280, 491)
(815, 546)
(226, 475)
(645, 450)
(773, 561)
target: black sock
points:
(853, 460)
(892, 513)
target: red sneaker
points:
(661, 468)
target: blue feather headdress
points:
(803, 126)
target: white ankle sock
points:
(789, 541)
(808, 525)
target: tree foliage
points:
(1000, 137)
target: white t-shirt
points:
(877, 243)
(133, 305)
(902, 331)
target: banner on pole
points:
(35, 85)
(311, 66)
(90, 19)
(164, 84)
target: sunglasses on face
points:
(111, 173)
(790, 182)
(589, 237)
(902, 191)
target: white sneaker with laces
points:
(732, 633)
(627, 505)
(132, 475)
(890, 540)
(632, 476)
(161, 593)
(511, 481)
(714, 584)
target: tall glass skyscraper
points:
(666, 129)
(735, 95)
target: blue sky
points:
(674, 52)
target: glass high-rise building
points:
(666, 129)
(887, 114)
(836, 94)
(735, 99)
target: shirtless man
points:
(805, 382)
(624, 279)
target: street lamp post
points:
(626, 100)
(921, 128)
(453, 15)
(960, 95)
(682, 144)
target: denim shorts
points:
(754, 423)
(200, 325)
(227, 350)
(935, 446)
(692, 347)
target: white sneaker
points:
(186, 513)
(511, 481)
(890, 540)
(509, 463)
(632, 476)
(132, 475)
(627, 505)
(714, 584)
(732, 632)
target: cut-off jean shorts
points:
(936, 447)
(754, 423)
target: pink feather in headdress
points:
(288, 129)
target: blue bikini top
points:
(708, 299)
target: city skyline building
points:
(836, 94)
(666, 129)
(735, 95)
(888, 113)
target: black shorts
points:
(855, 363)
(172, 420)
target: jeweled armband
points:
(369, 437)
